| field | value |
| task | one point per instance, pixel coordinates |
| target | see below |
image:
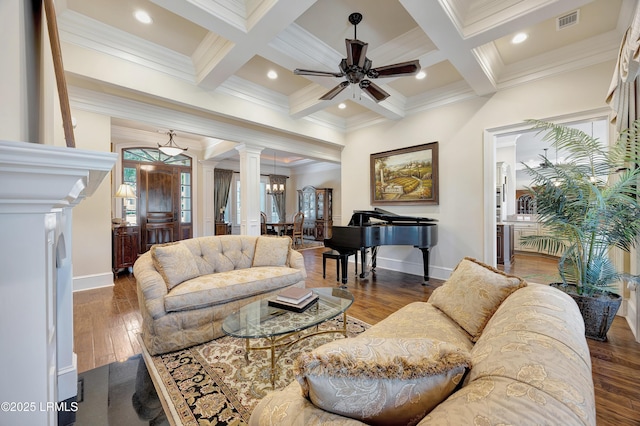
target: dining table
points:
(279, 228)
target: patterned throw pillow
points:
(174, 262)
(272, 251)
(385, 381)
(473, 293)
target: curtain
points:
(623, 97)
(222, 183)
(625, 88)
(279, 199)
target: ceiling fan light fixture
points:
(356, 67)
(171, 148)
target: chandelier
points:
(171, 148)
(272, 187)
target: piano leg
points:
(425, 264)
(344, 260)
(374, 258)
(363, 263)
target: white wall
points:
(92, 217)
(323, 175)
(19, 80)
(459, 130)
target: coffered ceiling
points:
(464, 46)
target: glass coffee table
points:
(281, 327)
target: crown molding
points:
(449, 94)
(406, 47)
(231, 12)
(89, 33)
(306, 49)
(579, 55)
(114, 106)
(211, 50)
(254, 93)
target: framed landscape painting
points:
(405, 176)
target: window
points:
(266, 202)
(129, 176)
(185, 197)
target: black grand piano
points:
(374, 228)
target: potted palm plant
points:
(588, 204)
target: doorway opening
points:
(163, 204)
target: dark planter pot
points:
(598, 312)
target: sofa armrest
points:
(151, 285)
(288, 407)
(296, 261)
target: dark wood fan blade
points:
(373, 90)
(334, 92)
(356, 52)
(298, 71)
(403, 68)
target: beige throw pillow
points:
(174, 262)
(272, 251)
(473, 293)
(384, 381)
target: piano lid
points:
(361, 217)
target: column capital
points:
(250, 149)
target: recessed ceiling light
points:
(421, 75)
(143, 17)
(519, 38)
(272, 75)
(342, 105)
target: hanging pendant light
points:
(171, 148)
(277, 188)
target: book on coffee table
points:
(294, 295)
(295, 307)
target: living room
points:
(118, 103)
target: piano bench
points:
(342, 259)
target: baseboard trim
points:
(413, 268)
(89, 282)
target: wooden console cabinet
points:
(125, 246)
(223, 228)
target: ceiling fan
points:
(356, 66)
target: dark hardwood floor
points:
(107, 320)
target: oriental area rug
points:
(211, 384)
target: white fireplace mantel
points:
(39, 186)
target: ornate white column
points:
(249, 189)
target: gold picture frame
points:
(405, 176)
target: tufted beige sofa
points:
(530, 366)
(232, 270)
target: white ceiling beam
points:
(306, 101)
(229, 56)
(439, 27)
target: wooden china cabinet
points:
(317, 206)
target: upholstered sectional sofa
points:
(186, 289)
(486, 349)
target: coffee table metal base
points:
(281, 343)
